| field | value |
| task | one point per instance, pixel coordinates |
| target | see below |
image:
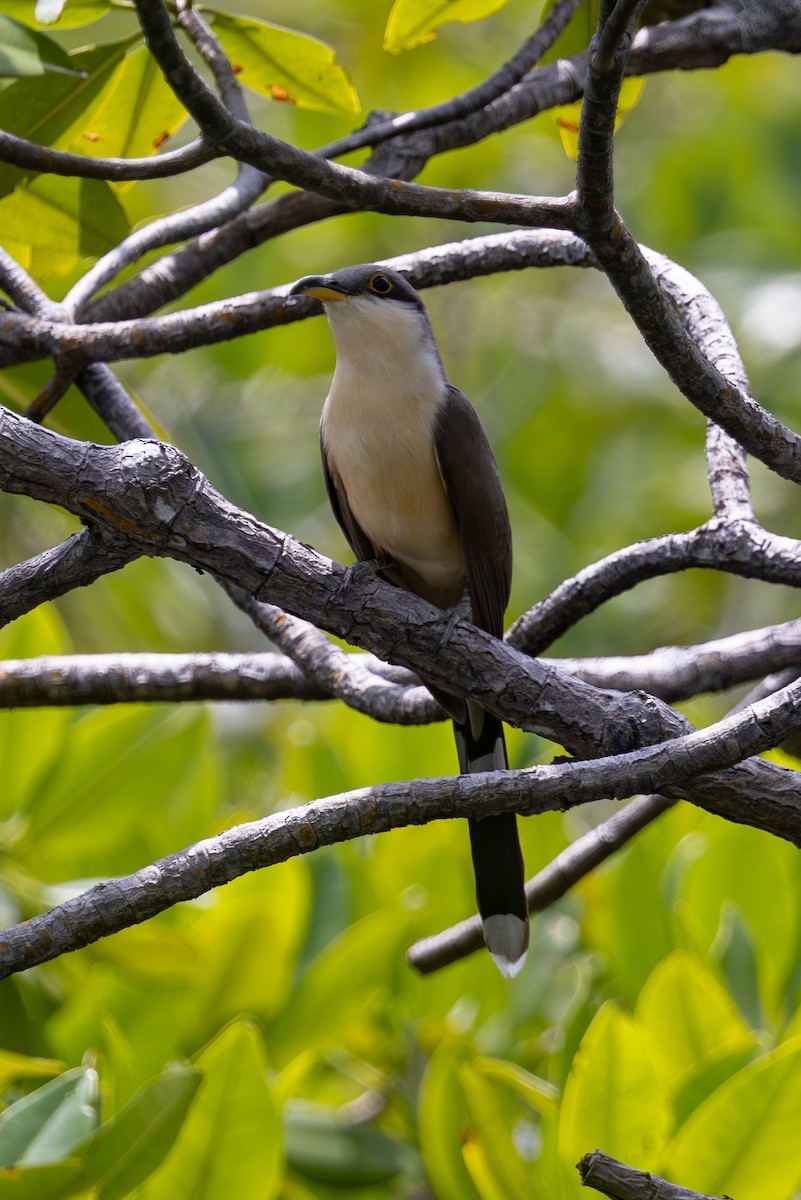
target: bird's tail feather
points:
(497, 859)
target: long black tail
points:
(497, 859)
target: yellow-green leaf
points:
(567, 116)
(613, 1097)
(67, 15)
(230, 1141)
(287, 66)
(541, 1095)
(413, 22)
(445, 1128)
(743, 1140)
(94, 114)
(51, 225)
(689, 1016)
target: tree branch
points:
(116, 905)
(619, 1182)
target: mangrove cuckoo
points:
(414, 486)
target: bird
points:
(414, 485)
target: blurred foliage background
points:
(675, 968)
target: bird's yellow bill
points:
(323, 293)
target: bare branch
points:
(350, 678)
(137, 678)
(679, 672)
(116, 905)
(77, 562)
(619, 1182)
(21, 153)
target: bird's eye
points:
(380, 285)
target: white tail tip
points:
(506, 937)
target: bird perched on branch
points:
(415, 488)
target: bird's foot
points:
(365, 569)
(460, 612)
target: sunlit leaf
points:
(25, 52)
(743, 1140)
(93, 114)
(689, 1016)
(230, 1143)
(613, 1098)
(287, 66)
(413, 22)
(45, 1126)
(51, 225)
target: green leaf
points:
(444, 1125)
(613, 1097)
(67, 14)
(325, 1148)
(287, 66)
(20, 1066)
(413, 22)
(734, 948)
(489, 1154)
(230, 1143)
(55, 1181)
(94, 114)
(689, 1016)
(51, 225)
(24, 52)
(47, 1125)
(541, 1095)
(126, 1150)
(743, 1140)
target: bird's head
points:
(379, 323)
(366, 285)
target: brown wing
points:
(473, 485)
(358, 540)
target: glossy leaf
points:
(126, 1150)
(613, 1098)
(45, 1126)
(24, 52)
(689, 1016)
(230, 1143)
(287, 66)
(20, 1066)
(743, 1140)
